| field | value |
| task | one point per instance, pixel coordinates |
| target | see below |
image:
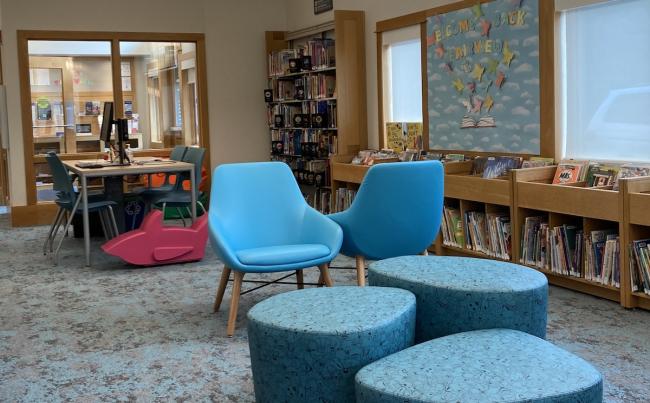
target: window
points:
(71, 75)
(606, 81)
(402, 79)
(168, 70)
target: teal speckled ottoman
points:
(495, 365)
(307, 345)
(456, 294)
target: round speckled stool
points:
(456, 294)
(495, 365)
(307, 345)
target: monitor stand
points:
(122, 134)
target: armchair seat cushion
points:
(282, 254)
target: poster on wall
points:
(483, 78)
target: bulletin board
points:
(483, 75)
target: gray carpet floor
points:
(118, 333)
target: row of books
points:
(596, 174)
(494, 167)
(566, 250)
(488, 233)
(308, 172)
(452, 228)
(313, 143)
(320, 114)
(344, 198)
(320, 199)
(640, 266)
(320, 54)
(303, 88)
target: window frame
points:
(23, 38)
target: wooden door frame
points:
(24, 36)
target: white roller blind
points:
(402, 80)
(606, 81)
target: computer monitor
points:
(107, 123)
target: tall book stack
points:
(344, 198)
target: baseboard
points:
(32, 215)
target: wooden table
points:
(140, 167)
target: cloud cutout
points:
(451, 109)
(526, 94)
(530, 41)
(506, 98)
(524, 68)
(515, 137)
(485, 139)
(441, 88)
(442, 126)
(433, 113)
(444, 138)
(513, 126)
(531, 128)
(511, 86)
(532, 81)
(534, 53)
(520, 111)
(435, 77)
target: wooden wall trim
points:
(380, 91)
(547, 21)
(425, 85)
(401, 21)
(32, 215)
(23, 36)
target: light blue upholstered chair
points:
(260, 223)
(396, 212)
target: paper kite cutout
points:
(485, 28)
(507, 54)
(458, 84)
(478, 104)
(488, 103)
(500, 79)
(478, 71)
(476, 9)
(448, 67)
(492, 66)
(440, 50)
(471, 86)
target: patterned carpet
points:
(116, 333)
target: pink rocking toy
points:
(154, 244)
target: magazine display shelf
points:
(587, 208)
(636, 199)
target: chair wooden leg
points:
(300, 279)
(320, 280)
(221, 289)
(325, 274)
(425, 253)
(361, 271)
(234, 303)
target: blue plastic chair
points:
(396, 212)
(176, 154)
(260, 223)
(178, 197)
(70, 202)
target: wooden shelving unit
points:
(529, 192)
(348, 134)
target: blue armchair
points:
(260, 223)
(396, 212)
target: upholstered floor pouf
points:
(495, 365)
(457, 294)
(307, 345)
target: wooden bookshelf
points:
(349, 133)
(529, 192)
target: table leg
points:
(194, 192)
(86, 221)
